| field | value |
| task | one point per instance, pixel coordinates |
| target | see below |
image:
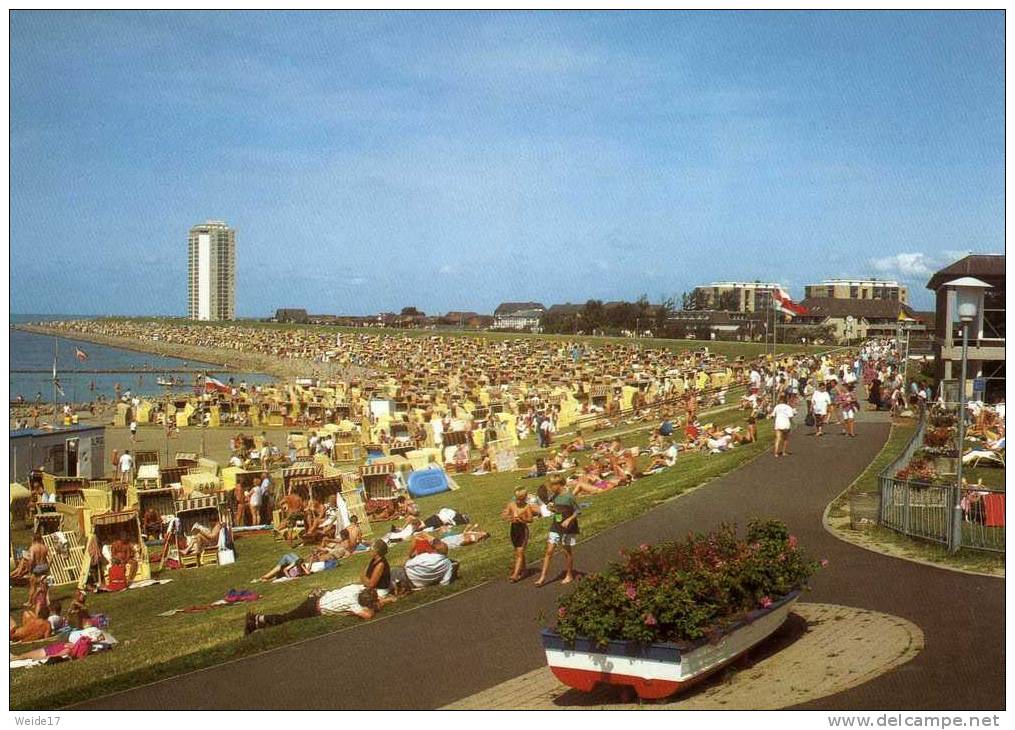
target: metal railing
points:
(927, 511)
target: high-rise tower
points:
(211, 273)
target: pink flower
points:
(792, 542)
(643, 546)
(561, 612)
(824, 562)
(630, 592)
(650, 620)
(766, 602)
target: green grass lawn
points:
(730, 349)
(154, 647)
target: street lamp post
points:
(968, 293)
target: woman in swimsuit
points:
(518, 512)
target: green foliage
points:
(685, 591)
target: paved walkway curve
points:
(454, 648)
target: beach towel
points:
(232, 597)
(138, 584)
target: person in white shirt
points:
(126, 466)
(820, 402)
(783, 414)
(353, 599)
(425, 569)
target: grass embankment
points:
(882, 539)
(154, 647)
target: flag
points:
(80, 354)
(782, 302)
(56, 384)
(211, 384)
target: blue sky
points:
(371, 161)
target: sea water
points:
(30, 351)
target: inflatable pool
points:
(425, 482)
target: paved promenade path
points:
(446, 651)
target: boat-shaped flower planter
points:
(655, 671)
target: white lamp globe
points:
(968, 294)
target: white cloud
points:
(905, 264)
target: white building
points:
(736, 296)
(858, 289)
(211, 273)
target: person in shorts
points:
(820, 402)
(849, 405)
(782, 416)
(519, 513)
(563, 531)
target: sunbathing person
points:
(324, 527)
(588, 486)
(538, 469)
(446, 517)
(377, 573)
(665, 459)
(33, 627)
(393, 509)
(345, 542)
(426, 569)
(289, 565)
(292, 507)
(351, 599)
(486, 464)
(59, 650)
(152, 525)
(398, 534)
(469, 536)
(577, 444)
(460, 460)
(423, 542)
(207, 538)
(313, 514)
(123, 552)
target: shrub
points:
(685, 591)
(918, 470)
(943, 418)
(940, 436)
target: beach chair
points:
(994, 456)
(199, 510)
(47, 519)
(65, 554)
(378, 482)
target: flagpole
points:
(56, 352)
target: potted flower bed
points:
(668, 615)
